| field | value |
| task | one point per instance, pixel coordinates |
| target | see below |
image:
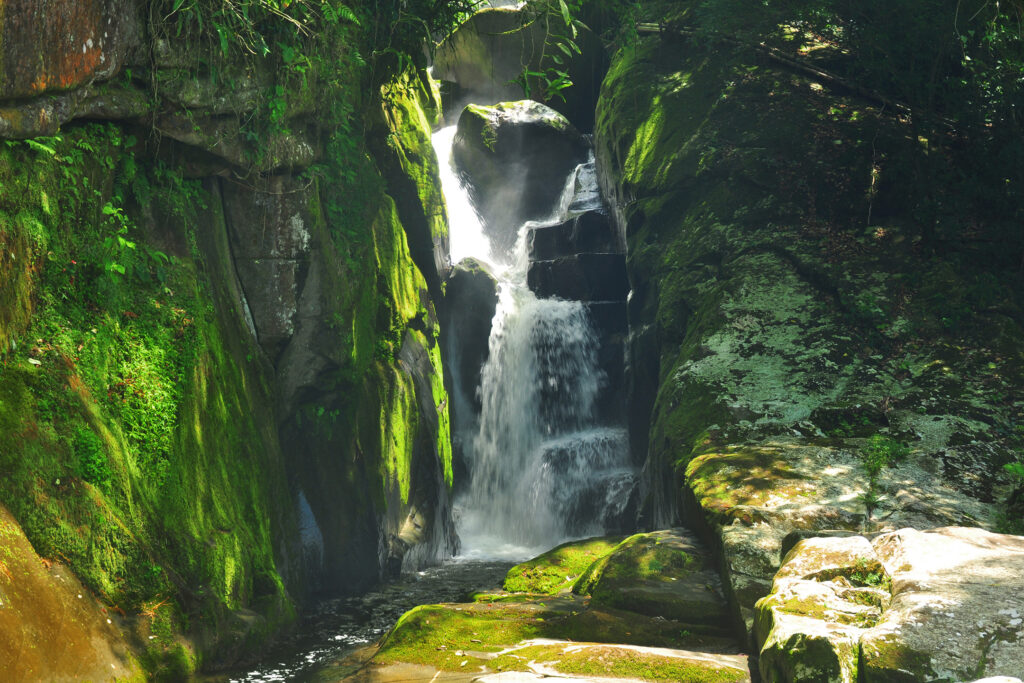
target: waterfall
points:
(542, 469)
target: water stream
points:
(542, 467)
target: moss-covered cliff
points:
(221, 378)
(794, 316)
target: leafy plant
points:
(880, 452)
(865, 574)
(1016, 471)
(93, 466)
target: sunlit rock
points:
(516, 157)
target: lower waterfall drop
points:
(542, 468)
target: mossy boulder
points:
(558, 569)
(660, 574)
(517, 157)
(482, 642)
(548, 630)
(826, 593)
(907, 606)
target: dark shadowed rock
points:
(584, 277)
(56, 45)
(516, 157)
(590, 232)
(471, 296)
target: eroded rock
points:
(51, 627)
(944, 604)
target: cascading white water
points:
(541, 470)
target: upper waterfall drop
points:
(542, 466)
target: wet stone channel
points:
(335, 628)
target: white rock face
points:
(943, 604)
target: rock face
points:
(942, 604)
(90, 45)
(777, 343)
(74, 44)
(524, 140)
(485, 57)
(51, 624)
(260, 412)
(590, 233)
(582, 277)
(471, 298)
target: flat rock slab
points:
(940, 605)
(646, 608)
(546, 659)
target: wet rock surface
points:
(654, 614)
(516, 156)
(486, 56)
(591, 232)
(582, 277)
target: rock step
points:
(580, 277)
(907, 605)
(648, 607)
(591, 232)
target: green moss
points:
(140, 448)
(889, 661)
(431, 634)
(639, 558)
(620, 663)
(399, 416)
(556, 570)
(746, 475)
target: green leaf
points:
(566, 17)
(40, 147)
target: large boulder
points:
(664, 574)
(944, 604)
(486, 56)
(517, 157)
(471, 298)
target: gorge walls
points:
(221, 386)
(791, 322)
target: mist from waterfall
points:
(542, 471)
